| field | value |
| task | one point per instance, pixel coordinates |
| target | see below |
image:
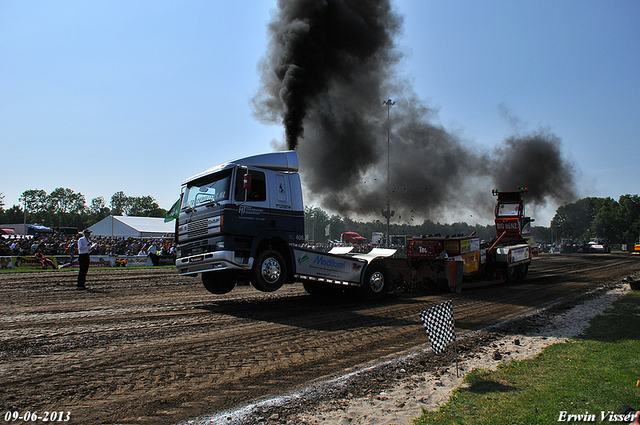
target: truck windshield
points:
(206, 190)
(509, 210)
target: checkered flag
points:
(439, 324)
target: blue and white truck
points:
(244, 219)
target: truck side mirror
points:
(246, 185)
(246, 182)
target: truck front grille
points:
(193, 248)
(198, 228)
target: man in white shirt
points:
(84, 246)
(152, 252)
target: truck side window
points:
(258, 190)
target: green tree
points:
(35, 203)
(65, 201)
(34, 200)
(97, 211)
(608, 222)
(120, 203)
(98, 206)
(618, 221)
(63, 206)
(143, 206)
(336, 227)
(630, 213)
(315, 221)
(574, 220)
(13, 215)
(139, 206)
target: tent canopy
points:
(136, 227)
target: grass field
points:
(584, 380)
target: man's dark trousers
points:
(83, 259)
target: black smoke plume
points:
(330, 65)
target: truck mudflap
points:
(331, 267)
(454, 271)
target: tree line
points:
(618, 221)
(587, 218)
(65, 208)
(321, 227)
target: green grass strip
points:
(592, 375)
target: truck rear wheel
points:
(218, 282)
(376, 282)
(269, 271)
(523, 269)
(512, 274)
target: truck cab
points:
(512, 224)
(238, 214)
(352, 238)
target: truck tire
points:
(512, 274)
(375, 285)
(523, 269)
(269, 271)
(218, 282)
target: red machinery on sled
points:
(460, 261)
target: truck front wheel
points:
(376, 282)
(218, 282)
(269, 271)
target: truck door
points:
(253, 215)
(257, 195)
(280, 196)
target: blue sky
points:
(136, 96)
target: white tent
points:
(137, 227)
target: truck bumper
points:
(513, 255)
(212, 261)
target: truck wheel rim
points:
(376, 282)
(271, 270)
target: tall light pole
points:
(388, 213)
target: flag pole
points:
(456, 341)
(456, 349)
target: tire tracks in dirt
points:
(148, 346)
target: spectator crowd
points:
(60, 244)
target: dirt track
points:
(148, 346)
